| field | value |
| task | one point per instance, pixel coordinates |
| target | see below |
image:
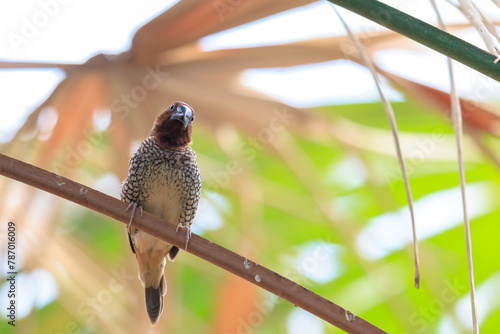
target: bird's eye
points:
(171, 107)
(192, 118)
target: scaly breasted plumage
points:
(163, 179)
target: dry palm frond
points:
(457, 126)
(485, 29)
(395, 134)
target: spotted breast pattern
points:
(155, 174)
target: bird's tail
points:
(154, 300)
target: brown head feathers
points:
(173, 127)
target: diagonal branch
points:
(198, 246)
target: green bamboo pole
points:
(425, 34)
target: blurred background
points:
(297, 160)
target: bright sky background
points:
(77, 30)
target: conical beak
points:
(183, 114)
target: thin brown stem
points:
(395, 135)
(456, 113)
(198, 246)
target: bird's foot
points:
(134, 206)
(188, 233)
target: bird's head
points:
(174, 126)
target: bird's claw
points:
(188, 233)
(134, 206)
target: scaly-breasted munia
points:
(164, 179)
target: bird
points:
(163, 179)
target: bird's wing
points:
(172, 253)
(131, 243)
(131, 189)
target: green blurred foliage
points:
(380, 291)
